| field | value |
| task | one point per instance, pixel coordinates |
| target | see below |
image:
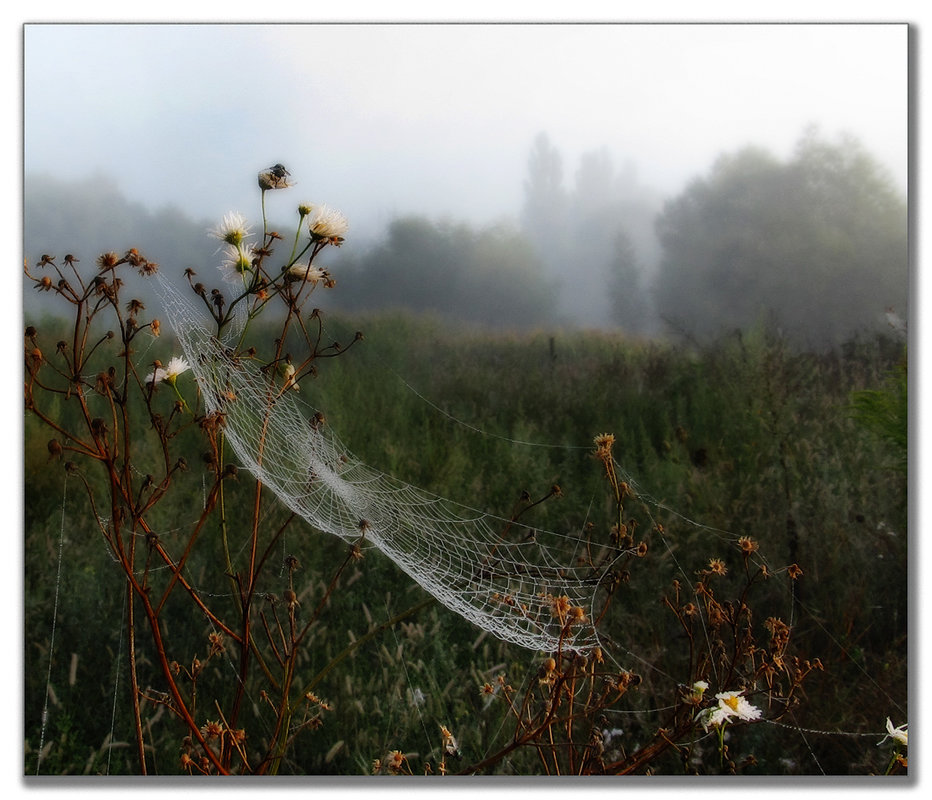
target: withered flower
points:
(717, 566)
(107, 261)
(747, 545)
(275, 177)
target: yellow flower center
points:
(732, 701)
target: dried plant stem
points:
(133, 677)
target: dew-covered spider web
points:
(521, 584)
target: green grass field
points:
(744, 437)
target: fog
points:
(442, 124)
(383, 120)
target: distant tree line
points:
(596, 237)
(487, 275)
(815, 245)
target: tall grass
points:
(745, 437)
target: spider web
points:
(499, 575)
(518, 583)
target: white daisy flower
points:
(175, 367)
(736, 706)
(731, 705)
(156, 377)
(899, 734)
(698, 690)
(308, 273)
(168, 373)
(232, 229)
(237, 262)
(327, 223)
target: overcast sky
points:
(381, 120)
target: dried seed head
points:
(107, 261)
(396, 761)
(717, 566)
(275, 177)
(560, 606)
(603, 444)
(623, 681)
(450, 745)
(215, 640)
(747, 545)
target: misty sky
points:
(381, 120)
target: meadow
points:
(745, 438)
